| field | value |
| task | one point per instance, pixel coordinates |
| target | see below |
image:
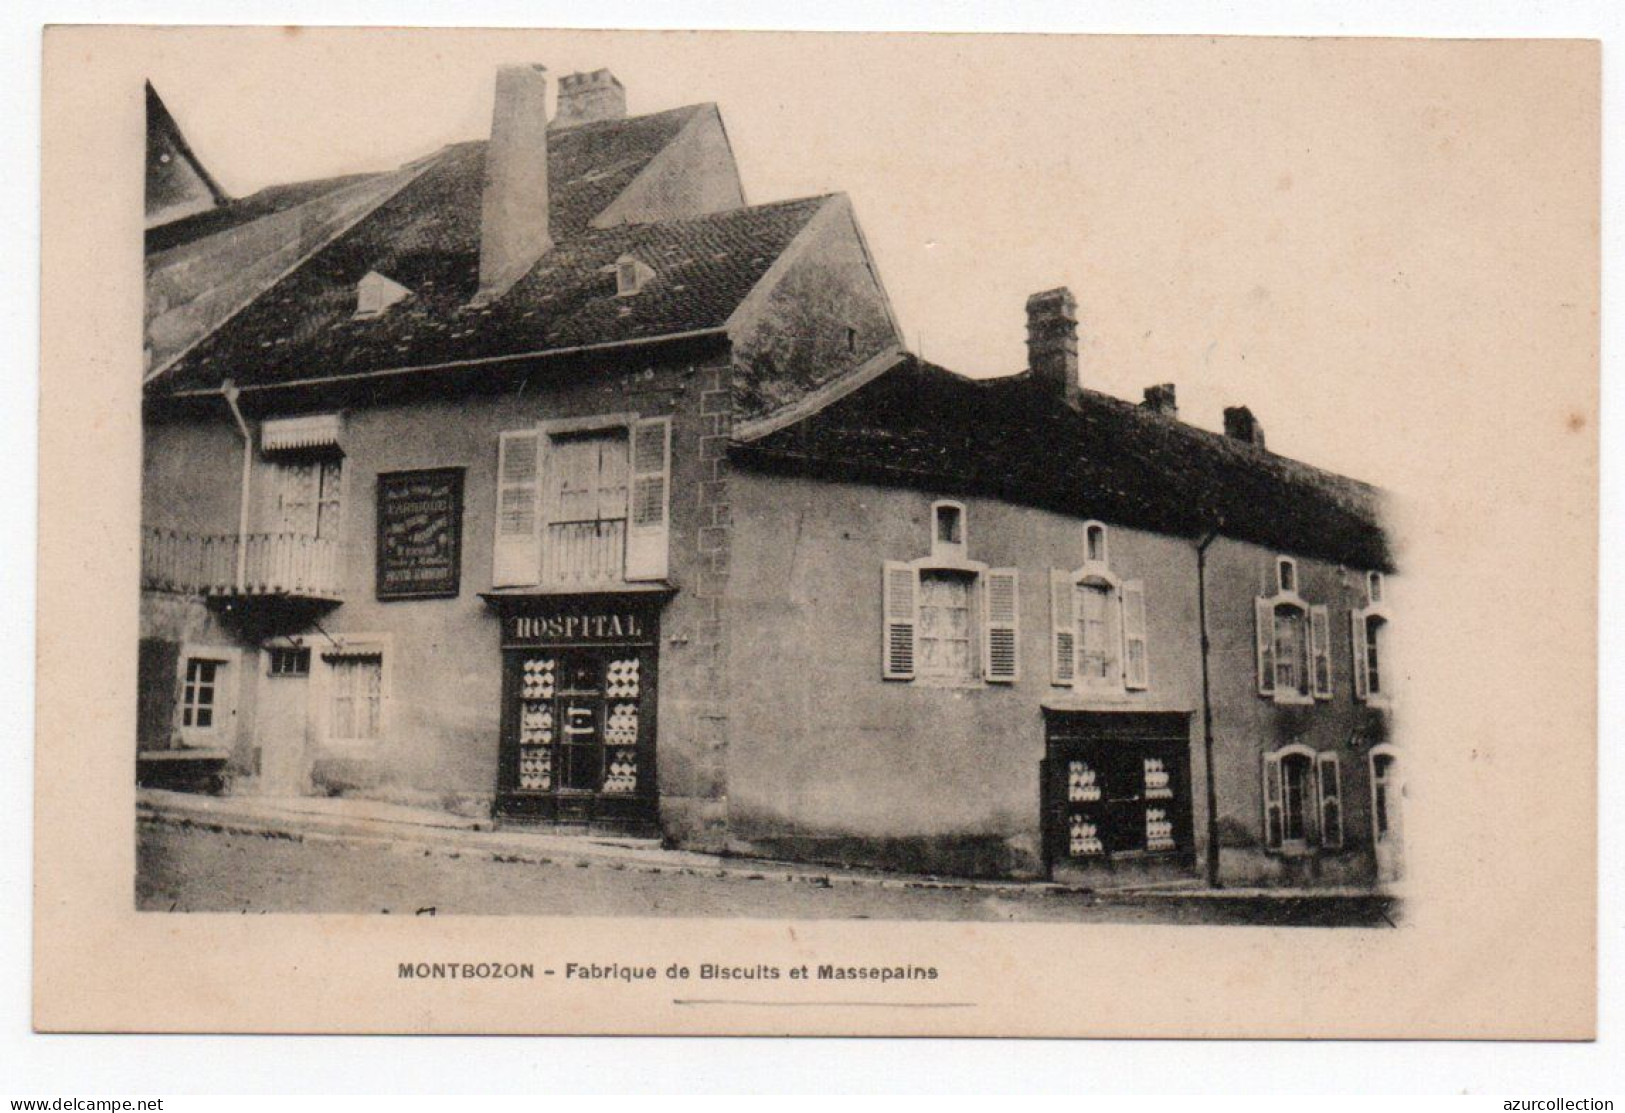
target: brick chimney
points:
(586, 98)
(1241, 425)
(513, 210)
(1160, 399)
(1052, 342)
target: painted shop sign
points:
(609, 623)
(420, 533)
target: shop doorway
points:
(1117, 792)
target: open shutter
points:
(1063, 628)
(1320, 644)
(1001, 628)
(516, 560)
(1357, 635)
(897, 633)
(649, 516)
(1136, 663)
(1264, 613)
(1274, 824)
(1331, 800)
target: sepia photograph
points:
(549, 501)
(633, 532)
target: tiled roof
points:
(922, 426)
(426, 237)
(233, 214)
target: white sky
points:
(1282, 223)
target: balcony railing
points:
(277, 564)
(584, 553)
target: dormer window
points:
(374, 295)
(631, 275)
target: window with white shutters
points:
(1320, 638)
(1303, 800)
(899, 588)
(1331, 800)
(1368, 642)
(1100, 641)
(648, 534)
(517, 551)
(1292, 641)
(1136, 659)
(1063, 626)
(1001, 626)
(1274, 819)
(947, 620)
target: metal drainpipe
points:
(1207, 711)
(228, 391)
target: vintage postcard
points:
(576, 532)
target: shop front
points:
(579, 685)
(1117, 795)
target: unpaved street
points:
(188, 868)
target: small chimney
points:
(1052, 342)
(586, 98)
(1241, 425)
(1159, 399)
(513, 210)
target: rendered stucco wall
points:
(827, 759)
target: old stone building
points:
(545, 477)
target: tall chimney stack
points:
(513, 210)
(1052, 342)
(1241, 425)
(586, 98)
(1160, 399)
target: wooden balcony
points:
(274, 565)
(589, 554)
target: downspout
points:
(228, 391)
(1207, 710)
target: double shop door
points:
(1116, 789)
(579, 737)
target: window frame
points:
(222, 728)
(353, 647)
(1125, 602)
(948, 557)
(1360, 647)
(1317, 836)
(948, 549)
(646, 546)
(1314, 623)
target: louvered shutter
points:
(1264, 614)
(1331, 800)
(1001, 628)
(1357, 636)
(1136, 661)
(1063, 628)
(1274, 819)
(1320, 644)
(649, 516)
(900, 595)
(516, 559)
